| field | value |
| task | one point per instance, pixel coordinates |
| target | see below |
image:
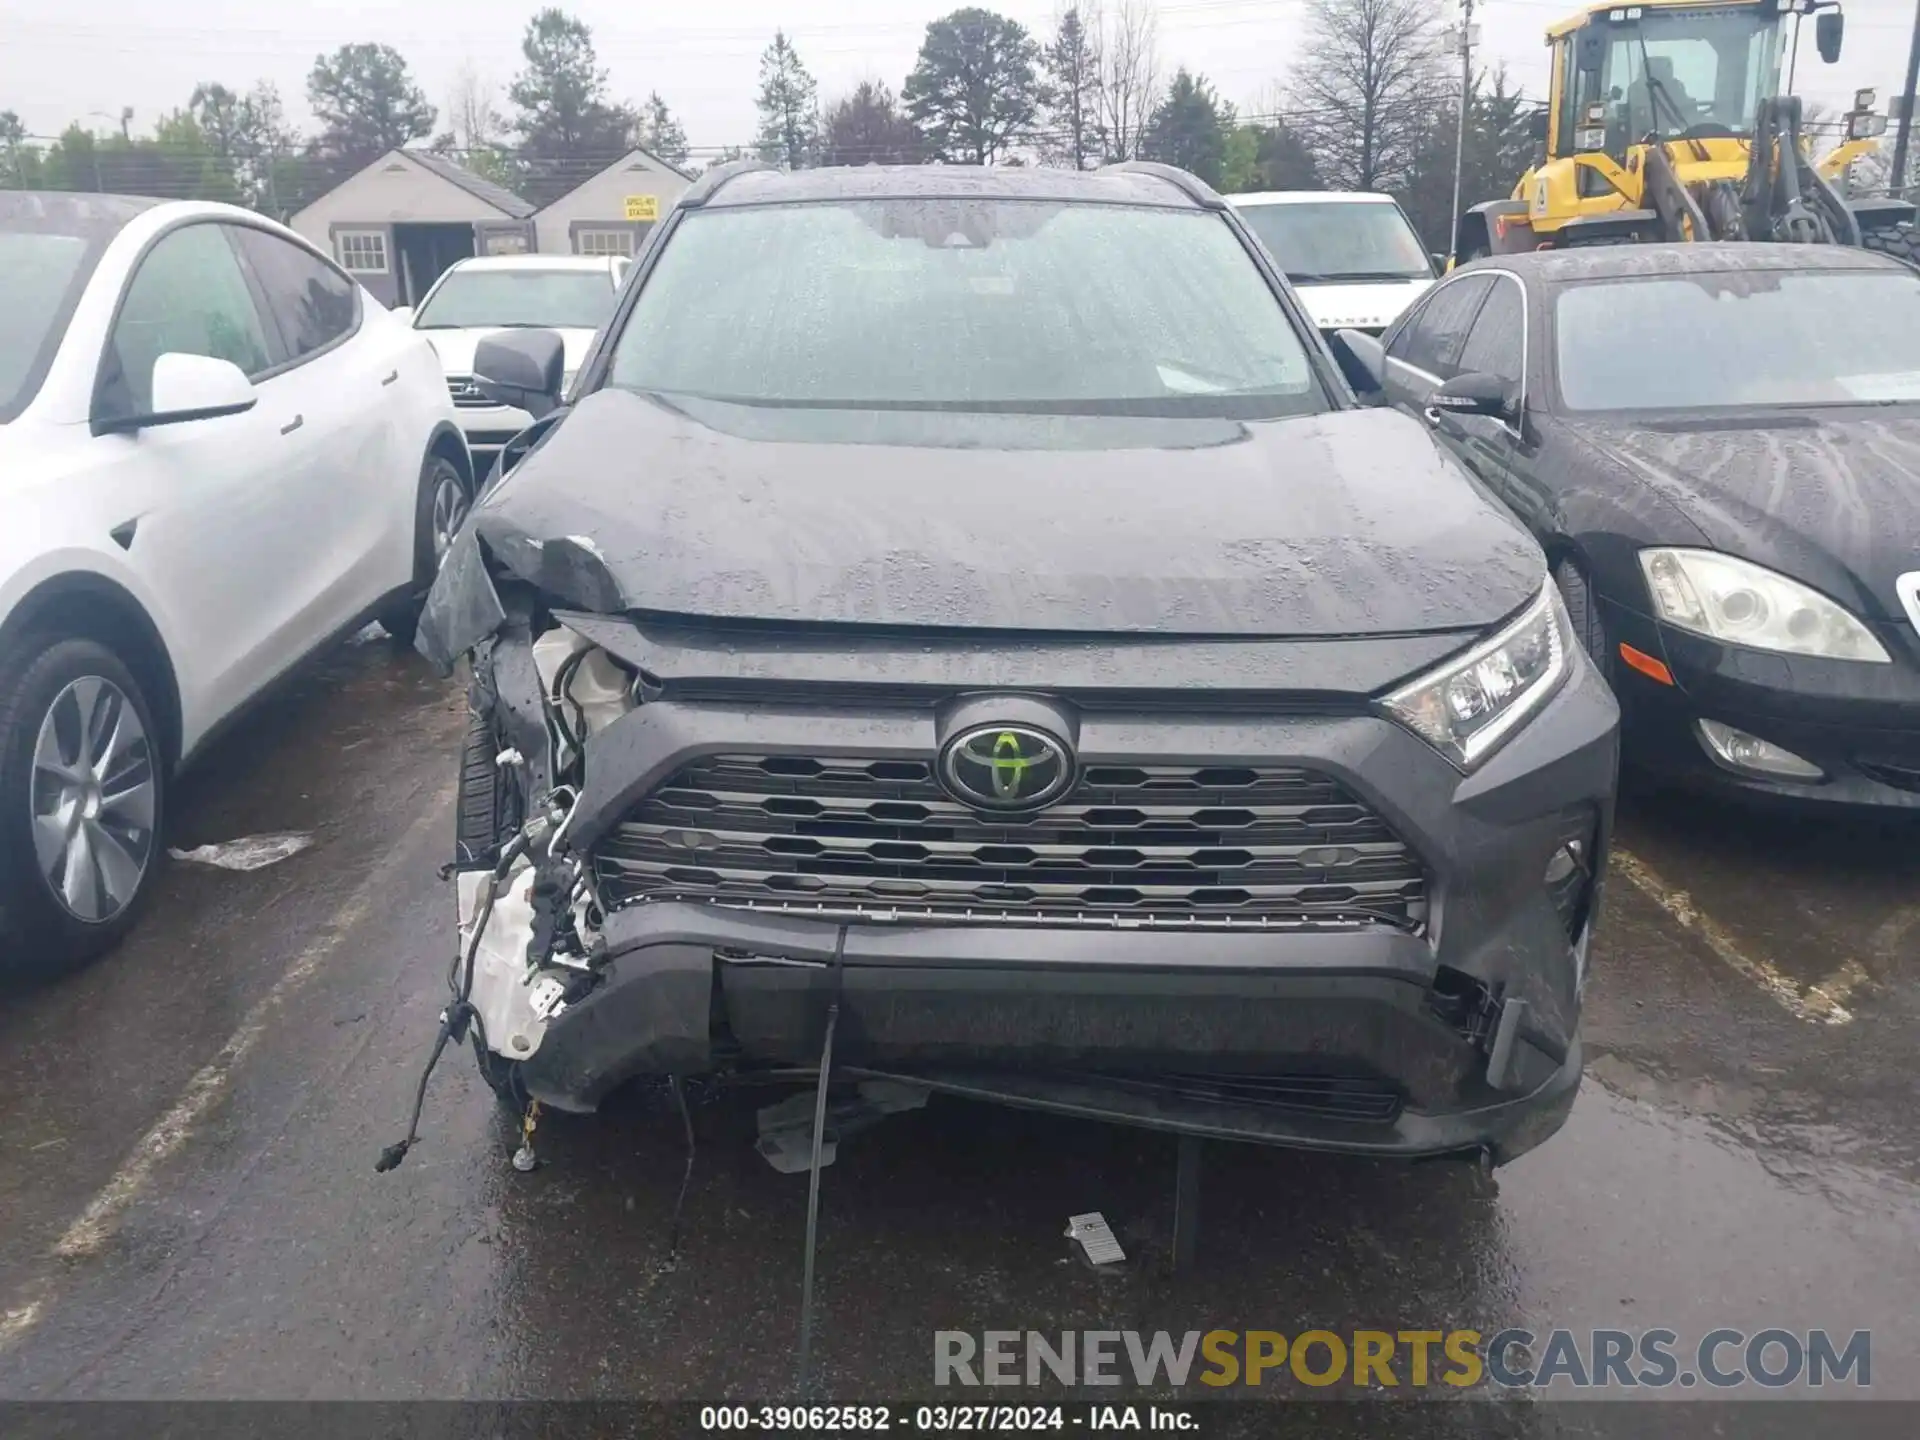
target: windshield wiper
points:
(1358, 277)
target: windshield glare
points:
(1330, 240)
(965, 304)
(1675, 73)
(1753, 338)
(539, 299)
(41, 275)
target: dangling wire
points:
(686, 1176)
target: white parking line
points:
(1821, 1004)
(95, 1225)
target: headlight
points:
(1746, 604)
(1467, 706)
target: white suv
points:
(216, 453)
(1354, 258)
(571, 295)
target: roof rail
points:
(1188, 184)
(708, 185)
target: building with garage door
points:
(397, 224)
(610, 213)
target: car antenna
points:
(813, 1167)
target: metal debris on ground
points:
(1093, 1240)
(786, 1128)
(255, 852)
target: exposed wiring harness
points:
(460, 1012)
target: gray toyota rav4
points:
(960, 627)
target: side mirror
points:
(1474, 393)
(1829, 29)
(186, 388)
(1538, 125)
(1363, 360)
(523, 369)
(402, 313)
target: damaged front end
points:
(529, 914)
(618, 918)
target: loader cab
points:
(1679, 70)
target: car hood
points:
(1368, 305)
(455, 347)
(1831, 500)
(1345, 523)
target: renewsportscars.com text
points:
(1412, 1359)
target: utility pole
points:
(1460, 133)
(1898, 179)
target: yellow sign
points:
(643, 207)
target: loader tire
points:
(1901, 241)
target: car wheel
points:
(82, 801)
(439, 511)
(1577, 592)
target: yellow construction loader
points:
(1665, 122)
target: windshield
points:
(1754, 338)
(966, 304)
(1317, 241)
(1689, 70)
(539, 299)
(44, 266)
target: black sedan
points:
(1719, 448)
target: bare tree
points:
(473, 110)
(1365, 100)
(1128, 64)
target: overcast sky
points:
(57, 66)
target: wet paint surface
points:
(1318, 525)
(1728, 1162)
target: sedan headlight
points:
(1467, 706)
(1742, 603)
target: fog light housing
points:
(1737, 750)
(1569, 871)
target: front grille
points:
(466, 394)
(1355, 1099)
(1181, 846)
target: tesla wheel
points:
(1577, 592)
(1902, 241)
(82, 799)
(438, 515)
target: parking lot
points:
(189, 1129)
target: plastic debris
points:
(786, 1127)
(255, 852)
(1093, 1240)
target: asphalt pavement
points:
(188, 1129)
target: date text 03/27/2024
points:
(940, 1419)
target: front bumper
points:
(1360, 1037)
(1859, 723)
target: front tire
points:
(82, 802)
(439, 511)
(1576, 591)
